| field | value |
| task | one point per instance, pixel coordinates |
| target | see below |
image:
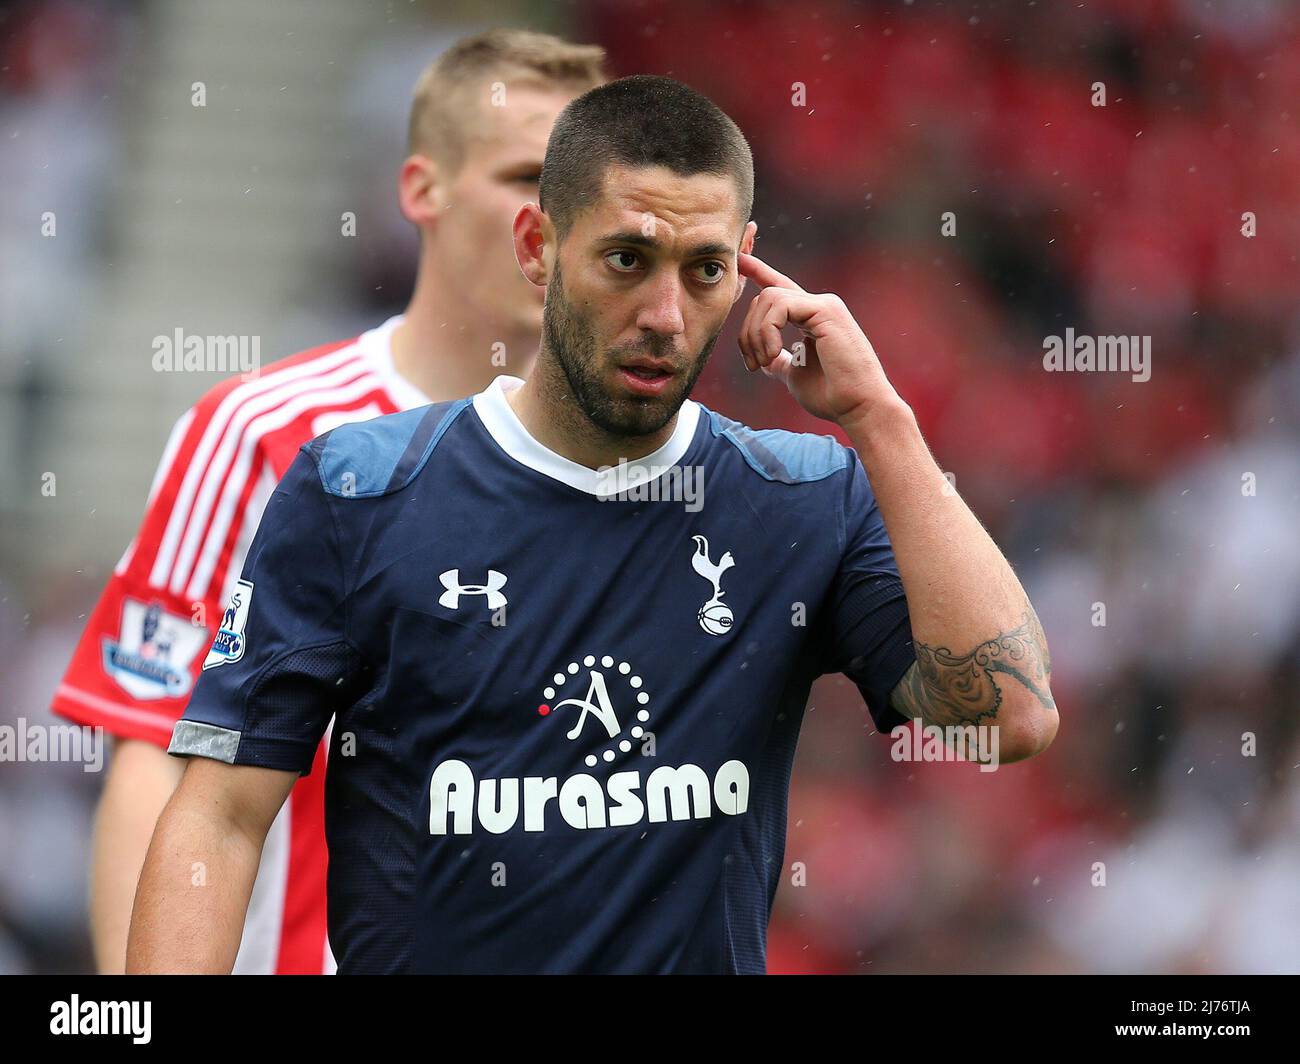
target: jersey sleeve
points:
(138, 657)
(281, 662)
(869, 635)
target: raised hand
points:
(836, 375)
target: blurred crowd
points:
(950, 171)
(61, 140)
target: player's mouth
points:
(646, 376)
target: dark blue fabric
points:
(666, 856)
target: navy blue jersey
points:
(565, 701)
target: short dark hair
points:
(643, 120)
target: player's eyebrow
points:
(639, 239)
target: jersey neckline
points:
(504, 426)
(377, 346)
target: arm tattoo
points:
(945, 688)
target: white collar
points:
(377, 347)
(501, 421)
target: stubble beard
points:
(568, 336)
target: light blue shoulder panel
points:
(781, 456)
(364, 459)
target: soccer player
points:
(479, 120)
(566, 701)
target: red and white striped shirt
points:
(143, 647)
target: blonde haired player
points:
(480, 119)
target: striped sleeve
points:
(142, 650)
(140, 653)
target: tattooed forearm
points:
(944, 688)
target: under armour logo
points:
(492, 589)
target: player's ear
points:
(747, 238)
(746, 248)
(534, 243)
(421, 192)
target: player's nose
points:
(662, 310)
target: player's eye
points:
(710, 272)
(529, 179)
(623, 261)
